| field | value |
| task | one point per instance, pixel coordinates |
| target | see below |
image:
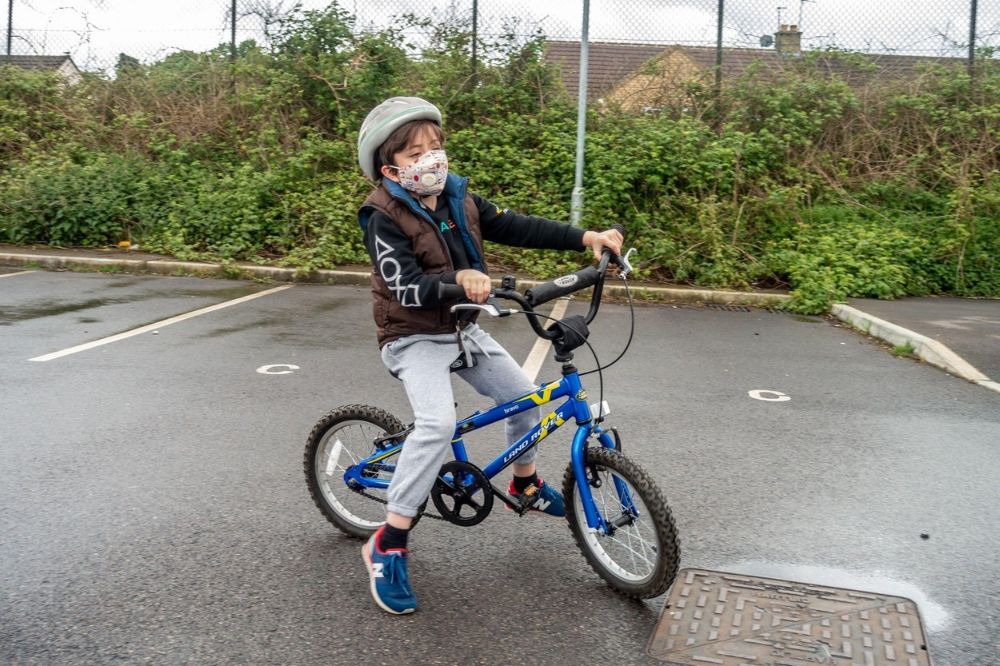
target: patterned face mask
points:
(427, 175)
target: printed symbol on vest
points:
(405, 294)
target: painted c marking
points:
(774, 396)
(269, 369)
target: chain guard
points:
(462, 494)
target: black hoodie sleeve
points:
(510, 228)
(392, 255)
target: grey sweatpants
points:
(422, 363)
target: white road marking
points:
(270, 369)
(537, 356)
(776, 396)
(157, 325)
(17, 273)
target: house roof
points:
(36, 61)
(610, 63)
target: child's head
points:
(391, 127)
(408, 144)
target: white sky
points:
(95, 31)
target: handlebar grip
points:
(561, 286)
(608, 256)
(446, 290)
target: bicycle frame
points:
(575, 407)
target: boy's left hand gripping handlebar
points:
(561, 286)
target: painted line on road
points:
(17, 273)
(157, 325)
(537, 355)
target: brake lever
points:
(625, 264)
(491, 307)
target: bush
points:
(821, 177)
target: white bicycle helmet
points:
(385, 119)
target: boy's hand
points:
(598, 240)
(477, 285)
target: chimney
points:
(788, 41)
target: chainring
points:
(462, 494)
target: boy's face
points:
(422, 142)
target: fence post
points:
(232, 32)
(576, 203)
(973, 10)
(10, 24)
(718, 65)
(475, 39)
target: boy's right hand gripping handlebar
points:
(567, 284)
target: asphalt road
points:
(153, 507)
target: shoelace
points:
(396, 569)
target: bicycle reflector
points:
(600, 410)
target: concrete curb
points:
(355, 278)
(930, 351)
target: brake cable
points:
(599, 369)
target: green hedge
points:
(881, 189)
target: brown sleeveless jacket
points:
(392, 319)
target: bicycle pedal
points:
(527, 500)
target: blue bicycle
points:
(616, 512)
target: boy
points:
(422, 228)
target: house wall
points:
(69, 72)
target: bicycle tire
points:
(662, 555)
(352, 513)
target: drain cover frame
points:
(717, 618)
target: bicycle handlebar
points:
(561, 286)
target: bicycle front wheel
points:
(640, 553)
(341, 439)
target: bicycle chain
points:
(382, 501)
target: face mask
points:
(427, 175)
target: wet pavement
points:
(154, 510)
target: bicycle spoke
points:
(630, 549)
(630, 540)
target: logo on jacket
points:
(392, 273)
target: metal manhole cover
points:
(712, 617)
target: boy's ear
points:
(389, 173)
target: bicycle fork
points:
(595, 521)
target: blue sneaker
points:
(387, 571)
(543, 498)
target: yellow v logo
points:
(545, 395)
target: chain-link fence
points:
(95, 32)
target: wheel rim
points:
(632, 551)
(341, 447)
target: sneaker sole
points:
(371, 580)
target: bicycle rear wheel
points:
(341, 439)
(639, 556)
